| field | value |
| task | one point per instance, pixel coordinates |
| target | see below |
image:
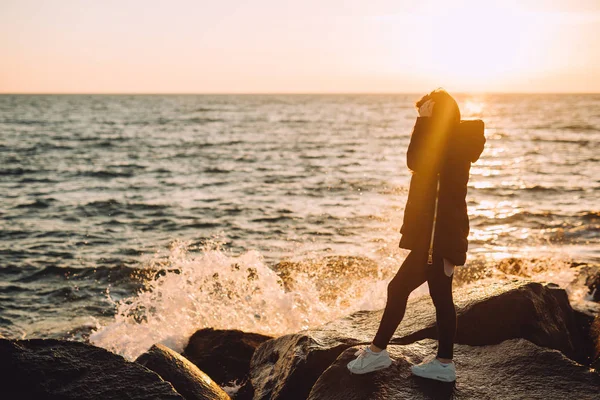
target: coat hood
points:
(469, 139)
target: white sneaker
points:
(435, 369)
(369, 361)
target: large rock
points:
(187, 379)
(592, 281)
(54, 369)
(487, 314)
(287, 367)
(588, 323)
(515, 369)
(595, 336)
(225, 356)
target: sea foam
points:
(218, 290)
(191, 290)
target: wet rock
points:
(595, 337)
(185, 377)
(487, 314)
(515, 369)
(54, 369)
(286, 367)
(588, 275)
(593, 284)
(225, 356)
(588, 324)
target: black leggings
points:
(412, 274)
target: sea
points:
(128, 220)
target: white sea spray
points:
(214, 289)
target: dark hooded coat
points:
(450, 156)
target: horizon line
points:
(266, 93)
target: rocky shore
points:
(515, 340)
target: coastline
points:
(512, 322)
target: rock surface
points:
(515, 369)
(595, 335)
(186, 378)
(593, 284)
(287, 367)
(54, 369)
(588, 323)
(487, 314)
(225, 356)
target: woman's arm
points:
(416, 153)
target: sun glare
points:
(473, 107)
(478, 44)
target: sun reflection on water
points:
(473, 108)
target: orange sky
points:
(197, 46)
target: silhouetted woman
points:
(435, 230)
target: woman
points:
(435, 230)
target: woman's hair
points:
(445, 106)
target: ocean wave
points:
(567, 127)
(51, 234)
(114, 207)
(21, 171)
(174, 121)
(215, 289)
(274, 219)
(106, 174)
(589, 215)
(39, 203)
(12, 289)
(201, 225)
(107, 274)
(543, 215)
(65, 294)
(38, 180)
(22, 121)
(515, 189)
(294, 121)
(197, 120)
(214, 109)
(160, 175)
(216, 170)
(581, 142)
(579, 127)
(541, 188)
(555, 227)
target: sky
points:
(309, 46)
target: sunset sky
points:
(274, 46)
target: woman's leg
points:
(440, 289)
(410, 276)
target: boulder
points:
(593, 284)
(595, 336)
(514, 369)
(185, 377)
(487, 314)
(588, 323)
(588, 275)
(54, 369)
(287, 367)
(225, 356)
